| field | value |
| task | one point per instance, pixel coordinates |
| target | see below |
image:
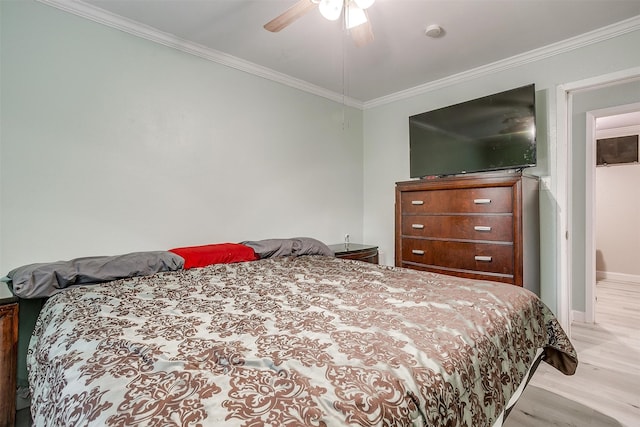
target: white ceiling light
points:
(354, 10)
(364, 4)
(330, 9)
(434, 30)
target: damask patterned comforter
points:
(312, 340)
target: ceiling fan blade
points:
(289, 15)
(362, 34)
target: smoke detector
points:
(434, 31)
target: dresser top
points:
(468, 180)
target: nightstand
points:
(8, 355)
(356, 251)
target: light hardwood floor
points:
(605, 391)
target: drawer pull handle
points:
(417, 252)
(482, 228)
(417, 202)
(481, 201)
(482, 258)
(418, 226)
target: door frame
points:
(561, 168)
(591, 199)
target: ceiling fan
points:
(355, 16)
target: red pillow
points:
(220, 253)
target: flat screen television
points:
(495, 132)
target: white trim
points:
(618, 277)
(560, 147)
(596, 36)
(559, 165)
(605, 80)
(135, 28)
(104, 17)
(590, 204)
(590, 218)
(577, 316)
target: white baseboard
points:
(620, 277)
(578, 316)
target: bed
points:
(289, 341)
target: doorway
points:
(605, 123)
(575, 298)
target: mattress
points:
(308, 340)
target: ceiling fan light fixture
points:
(364, 4)
(330, 9)
(355, 16)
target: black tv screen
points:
(491, 133)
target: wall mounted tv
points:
(495, 132)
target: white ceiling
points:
(317, 52)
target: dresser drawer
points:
(465, 227)
(450, 221)
(485, 257)
(462, 200)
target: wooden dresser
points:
(483, 226)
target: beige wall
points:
(618, 221)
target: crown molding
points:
(135, 28)
(586, 39)
(101, 16)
